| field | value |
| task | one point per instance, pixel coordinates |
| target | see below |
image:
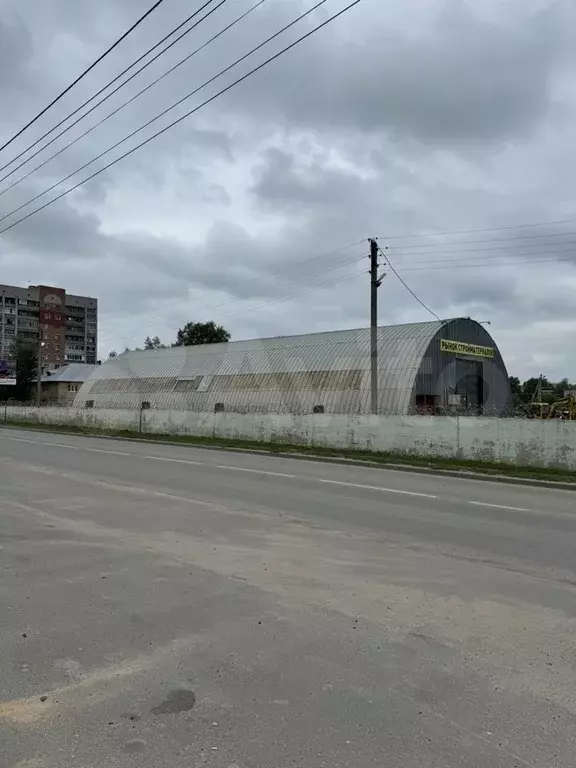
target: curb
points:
(368, 463)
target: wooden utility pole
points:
(375, 283)
(39, 368)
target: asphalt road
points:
(168, 607)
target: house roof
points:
(74, 372)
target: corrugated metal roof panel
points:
(336, 365)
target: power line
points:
(129, 101)
(297, 293)
(490, 261)
(180, 119)
(323, 256)
(279, 299)
(504, 250)
(477, 231)
(166, 352)
(119, 87)
(534, 262)
(332, 267)
(458, 243)
(105, 87)
(86, 71)
(405, 284)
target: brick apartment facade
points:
(67, 325)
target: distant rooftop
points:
(74, 372)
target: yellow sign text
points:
(461, 348)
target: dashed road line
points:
(247, 470)
(168, 459)
(497, 506)
(377, 488)
(255, 471)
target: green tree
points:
(201, 333)
(516, 388)
(538, 387)
(112, 354)
(25, 356)
(153, 343)
(562, 386)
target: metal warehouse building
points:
(437, 367)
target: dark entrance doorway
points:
(470, 385)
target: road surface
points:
(167, 607)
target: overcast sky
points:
(425, 116)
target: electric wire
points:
(532, 262)
(505, 249)
(105, 87)
(405, 284)
(490, 260)
(478, 231)
(286, 297)
(330, 268)
(125, 103)
(457, 243)
(297, 293)
(215, 96)
(86, 71)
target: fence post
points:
(144, 406)
(458, 436)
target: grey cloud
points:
(15, 77)
(458, 130)
(465, 81)
(280, 184)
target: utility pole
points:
(375, 283)
(39, 368)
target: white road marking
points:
(166, 458)
(255, 471)
(378, 488)
(41, 442)
(70, 447)
(497, 506)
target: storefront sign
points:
(462, 348)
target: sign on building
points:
(462, 348)
(7, 374)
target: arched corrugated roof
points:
(280, 373)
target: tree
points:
(562, 386)
(153, 343)
(539, 388)
(515, 385)
(112, 354)
(201, 333)
(25, 356)
(516, 388)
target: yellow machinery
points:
(561, 409)
(564, 409)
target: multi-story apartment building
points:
(65, 326)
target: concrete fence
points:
(515, 441)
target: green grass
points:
(494, 469)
